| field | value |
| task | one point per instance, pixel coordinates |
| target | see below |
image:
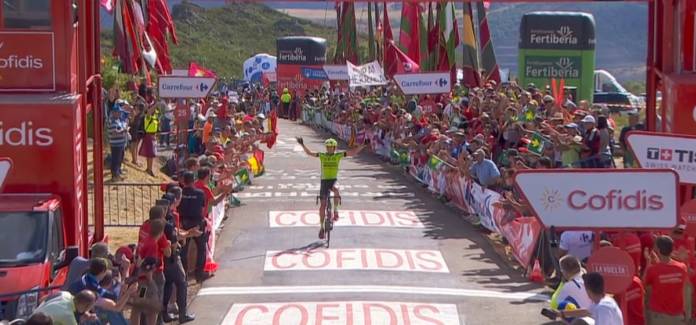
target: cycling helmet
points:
(331, 143)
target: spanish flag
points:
(196, 70)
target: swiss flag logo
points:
(5, 166)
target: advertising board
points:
(602, 199)
(424, 83)
(185, 87)
(660, 150)
(27, 61)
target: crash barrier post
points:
(521, 232)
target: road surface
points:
(397, 256)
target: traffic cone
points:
(535, 275)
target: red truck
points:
(50, 95)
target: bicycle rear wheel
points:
(328, 224)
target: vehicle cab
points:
(33, 254)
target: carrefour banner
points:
(369, 74)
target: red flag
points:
(409, 35)
(388, 35)
(397, 61)
(196, 70)
(273, 128)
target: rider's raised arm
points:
(309, 152)
(354, 151)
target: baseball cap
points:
(588, 119)
(570, 125)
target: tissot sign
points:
(602, 199)
(660, 150)
(27, 61)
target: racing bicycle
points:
(328, 218)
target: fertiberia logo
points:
(563, 36)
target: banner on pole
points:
(424, 83)
(336, 72)
(369, 74)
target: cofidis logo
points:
(27, 61)
(25, 134)
(611, 200)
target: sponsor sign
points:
(185, 87)
(424, 83)
(313, 73)
(301, 50)
(400, 219)
(557, 31)
(559, 67)
(342, 312)
(602, 199)
(27, 61)
(5, 166)
(369, 74)
(357, 259)
(337, 72)
(616, 267)
(659, 150)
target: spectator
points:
(605, 142)
(604, 310)
(148, 149)
(191, 208)
(136, 128)
(285, 100)
(174, 273)
(633, 125)
(155, 245)
(165, 126)
(576, 243)
(118, 139)
(665, 283)
(147, 304)
(80, 265)
(592, 142)
(572, 290)
(66, 309)
(484, 170)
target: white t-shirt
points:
(607, 312)
(577, 243)
(574, 291)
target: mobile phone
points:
(549, 313)
(142, 291)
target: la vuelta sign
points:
(602, 199)
(27, 61)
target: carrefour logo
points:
(202, 87)
(441, 82)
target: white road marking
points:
(345, 194)
(343, 312)
(404, 260)
(452, 292)
(366, 218)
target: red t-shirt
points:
(151, 248)
(666, 281)
(429, 106)
(646, 241)
(209, 196)
(634, 302)
(630, 243)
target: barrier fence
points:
(128, 204)
(521, 232)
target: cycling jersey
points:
(329, 164)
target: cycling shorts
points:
(326, 186)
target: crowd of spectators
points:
(147, 282)
(489, 133)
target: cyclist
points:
(329, 174)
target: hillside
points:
(222, 38)
(621, 29)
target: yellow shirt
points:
(60, 309)
(285, 98)
(151, 123)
